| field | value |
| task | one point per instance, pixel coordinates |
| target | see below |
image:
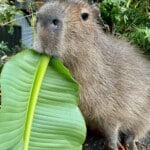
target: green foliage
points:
(7, 12)
(3, 48)
(8, 15)
(130, 19)
(141, 37)
(39, 105)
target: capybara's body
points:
(113, 75)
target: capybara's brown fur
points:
(114, 76)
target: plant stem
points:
(41, 69)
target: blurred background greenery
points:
(128, 18)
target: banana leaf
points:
(39, 108)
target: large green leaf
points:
(39, 105)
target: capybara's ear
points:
(95, 8)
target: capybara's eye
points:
(84, 16)
(55, 22)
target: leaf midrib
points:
(39, 75)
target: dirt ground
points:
(95, 142)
